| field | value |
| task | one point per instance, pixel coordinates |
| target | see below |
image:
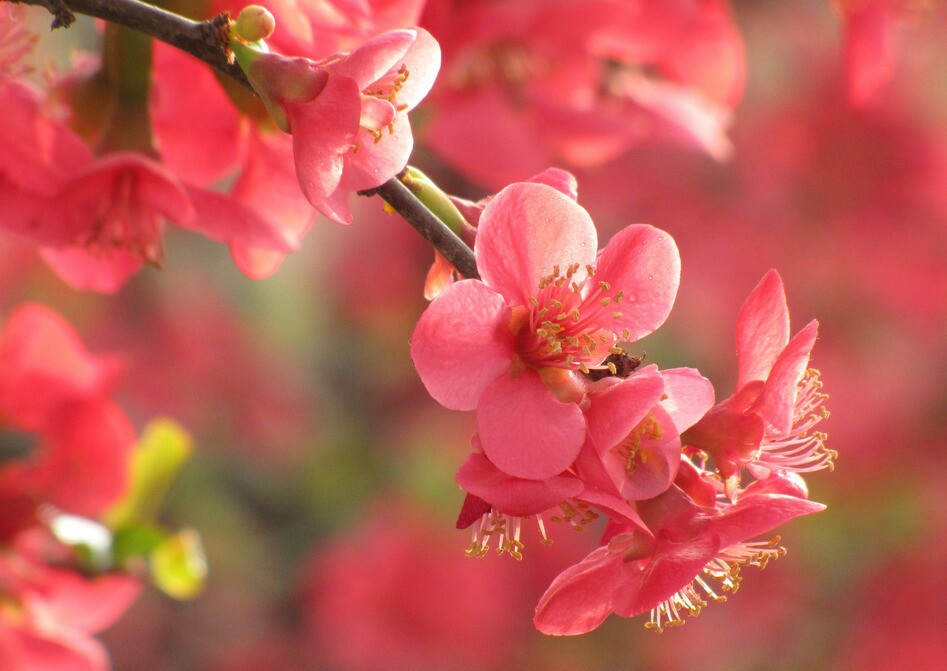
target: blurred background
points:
(322, 481)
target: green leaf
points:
(162, 451)
(178, 565)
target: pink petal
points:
(871, 50)
(762, 329)
(525, 430)
(689, 395)
(759, 514)
(508, 149)
(579, 599)
(472, 510)
(514, 496)
(87, 604)
(524, 232)
(462, 343)
(323, 131)
(644, 262)
(674, 565)
(106, 272)
(44, 362)
(372, 61)
(199, 148)
(221, 217)
(777, 403)
(36, 153)
(423, 61)
(612, 414)
(561, 180)
(89, 456)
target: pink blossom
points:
(872, 39)
(71, 444)
(50, 614)
(538, 82)
(348, 113)
(514, 346)
(671, 573)
(767, 422)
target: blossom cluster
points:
(575, 425)
(571, 426)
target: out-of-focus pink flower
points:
(348, 113)
(767, 422)
(377, 598)
(16, 40)
(69, 444)
(513, 346)
(50, 615)
(872, 42)
(633, 573)
(107, 221)
(579, 82)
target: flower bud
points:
(255, 23)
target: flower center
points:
(570, 322)
(121, 224)
(376, 118)
(630, 447)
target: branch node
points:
(62, 15)
(218, 34)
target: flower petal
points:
(510, 495)
(525, 430)
(525, 231)
(762, 329)
(323, 131)
(579, 599)
(758, 514)
(643, 261)
(777, 402)
(689, 395)
(612, 414)
(462, 343)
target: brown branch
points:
(435, 231)
(206, 40)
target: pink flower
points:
(348, 113)
(70, 443)
(767, 422)
(670, 573)
(50, 614)
(537, 82)
(634, 445)
(514, 345)
(871, 43)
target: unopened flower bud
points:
(255, 23)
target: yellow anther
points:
(590, 270)
(604, 286)
(612, 368)
(575, 315)
(583, 368)
(605, 301)
(616, 315)
(534, 301)
(620, 296)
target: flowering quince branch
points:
(210, 42)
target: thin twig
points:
(451, 247)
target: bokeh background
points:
(322, 482)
